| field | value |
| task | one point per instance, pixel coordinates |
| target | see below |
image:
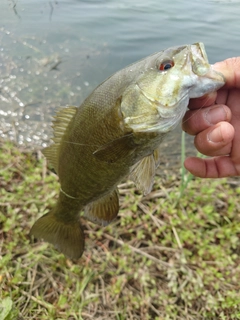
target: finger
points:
(202, 102)
(230, 68)
(222, 96)
(196, 121)
(216, 140)
(217, 167)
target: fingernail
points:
(215, 115)
(215, 135)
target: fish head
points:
(163, 89)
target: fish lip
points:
(195, 54)
(201, 49)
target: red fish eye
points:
(165, 65)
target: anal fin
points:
(103, 210)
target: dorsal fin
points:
(60, 124)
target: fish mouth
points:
(165, 120)
(200, 64)
(198, 59)
(164, 124)
(167, 112)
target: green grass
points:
(174, 254)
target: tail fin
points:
(66, 237)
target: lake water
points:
(53, 53)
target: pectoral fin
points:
(116, 149)
(143, 173)
(103, 210)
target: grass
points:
(174, 254)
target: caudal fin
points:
(68, 238)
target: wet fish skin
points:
(115, 132)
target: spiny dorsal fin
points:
(143, 173)
(60, 124)
(103, 210)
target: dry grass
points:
(165, 257)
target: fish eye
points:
(165, 65)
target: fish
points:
(116, 133)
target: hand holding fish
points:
(215, 120)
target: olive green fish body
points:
(88, 177)
(116, 132)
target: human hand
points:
(215, 121)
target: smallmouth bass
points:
(115, 133)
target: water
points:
(53, 53)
